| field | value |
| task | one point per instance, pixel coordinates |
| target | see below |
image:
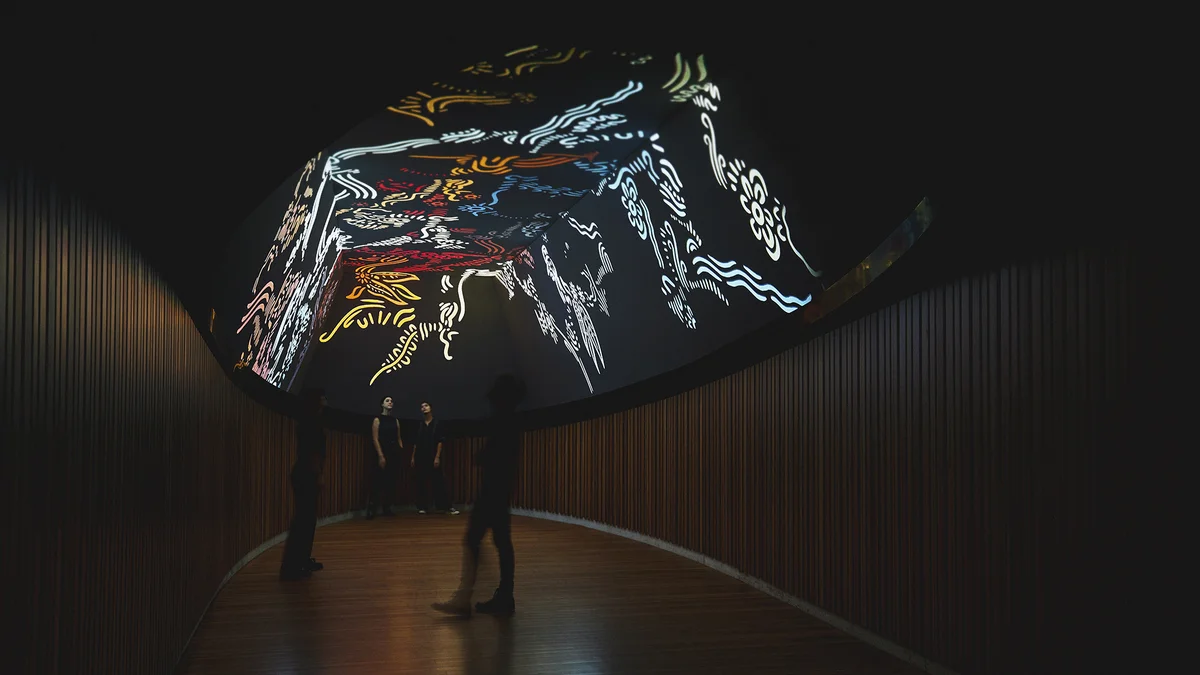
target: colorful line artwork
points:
(423, 216)
(423, 106)
(451, 311)
(529, 60)
(501, 165)
(768, 220)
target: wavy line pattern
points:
(360, 189)
(588, 230)
(744, 277)
(574, 114)
(314, 230)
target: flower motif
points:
(734, 173)
(639, 213)
(754, 203)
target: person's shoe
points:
(458, 605)
(453, 511)
(294, 573)
(313, 566)
(420, 512)
(370, 514)
(501, 604)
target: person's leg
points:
(441, 496)
(309, 532)
(298, 548)
(387, 491)
(502, 536)
(476, 528)
(287, 565)
(460, 602)
(421, 492)
(502, 602)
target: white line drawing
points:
(334, 210)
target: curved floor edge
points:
(841, 624)
(246, 559)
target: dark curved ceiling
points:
(144, 123)
(177, 140)
(138, 117)
(666, 205)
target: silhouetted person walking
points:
(306, 482)
(385, 435)
(498, 463)
(427, 460)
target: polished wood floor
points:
(587, 602)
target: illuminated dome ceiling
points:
(491, 190)
(588, 219)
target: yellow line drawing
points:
(388, 287)
(501, 165)
(421, 105)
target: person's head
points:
(313, 399)
(426, 409)
(506, 392)
(385, 405)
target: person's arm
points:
(399, 436)
(375, 440)
(437, 456)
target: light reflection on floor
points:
(588, 603)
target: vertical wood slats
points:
(924, 472)
(135, 473)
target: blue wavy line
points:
(744, 277)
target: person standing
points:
(498, 463)
(427, 461)
(298, 562)
(385, 434)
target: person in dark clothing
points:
(306, 482)
(427, 461)
(385, 435)
(498, 463)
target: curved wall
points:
(928, 473)
(135, 473)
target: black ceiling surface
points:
(176, 140)
(136, 110)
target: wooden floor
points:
(587, 602)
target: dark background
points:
(123, 102)
(128, 119)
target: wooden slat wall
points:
(923, 472)
(926, 472)
(462, 480)
(135, 473)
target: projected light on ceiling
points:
(595, 195)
